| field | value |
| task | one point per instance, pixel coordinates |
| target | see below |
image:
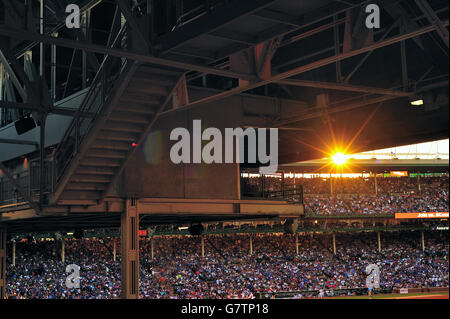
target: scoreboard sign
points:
(399, 174)
(421, 215)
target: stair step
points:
(101, 162)
(117, 136)
(153, 71)
(150, 90)
(123, 127)
(80, 195)
(79, 178)
(160, 79)
(86, 186)
(105, 154)
(111, 145)
(129, 117)
(144, 99)
(95, 172)
(137, 108)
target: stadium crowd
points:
(362, 195)
(228, 270)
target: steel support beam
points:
(308, 67)
(140, 42)
(12, 76)
(434, 20)
(130, 250)
(18, 142)
(367, 56)
(209, 23)
(343, 87)
(82, 45)
(346, 107)
(88, 6)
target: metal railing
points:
(87, 115)
(258, 187)
(28, 180)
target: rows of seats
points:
(228, 270)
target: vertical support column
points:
(239, 178)
(379, 241)
(419, 186)
(85, 19)
(152, 248)
(296, 243)
(41, 46)
(14, 253)
(251, 245)
(130, 250)
(203, 247)
(376, 184)
(422, 235)
(42, 170)
(63, 250)
(53, 70)
(2, 263)
(114, 250)
(334, 243)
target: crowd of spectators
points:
(228, 269)
(364, 195)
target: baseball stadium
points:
(223, 149)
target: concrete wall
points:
(151, 173)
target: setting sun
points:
(339, 159)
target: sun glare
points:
(339, 159)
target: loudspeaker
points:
(196, 230)
(24, 125)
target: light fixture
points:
(416, 100)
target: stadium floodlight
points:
(339, 159)
(416, 100)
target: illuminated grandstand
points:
(222, 149)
